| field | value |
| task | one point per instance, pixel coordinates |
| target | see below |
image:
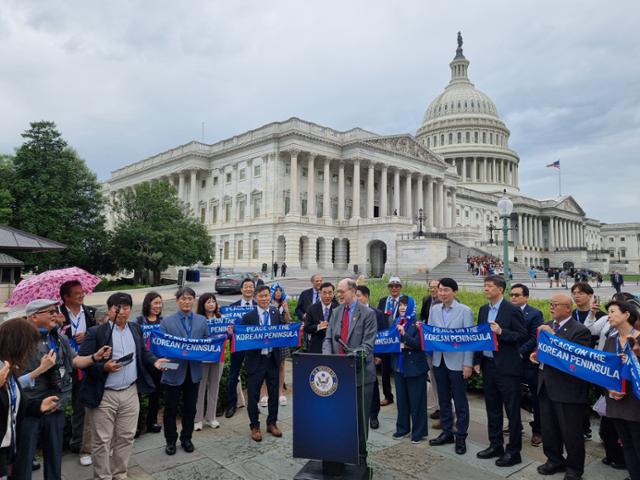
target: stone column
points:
(464, 169)
(194, 192)
(384, 211)
(485, 170)
(356, 189)
(265, 181)
(429, 212)
(530, 231)
(340, 254)
(293, 172)
(540, 236)
(474, 175)
(420, 188)
(453, 206)
(341, 190)
(520, 229)
(311, 187)
(505, 172)
(326, 191)
(525, 233)
(181, 186)
(408, 204)
(552, 240)
(370, 190)
(396, 191)
(442, 203)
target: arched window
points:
(491, 138)
(459, 137)
(468, 137)
(450, 138)
(484, 137)
(428, 142)
(435, 141)
(442, 139)
(475, 137)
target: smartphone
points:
(170, 365)
(126, 360)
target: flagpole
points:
(560, 181)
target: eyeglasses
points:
(555, 305)
(51, 311)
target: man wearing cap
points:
(110, 388)
(55, 381)
(389, 306)
(452, 369)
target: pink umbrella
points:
(47, 285)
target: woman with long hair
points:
(18, 341)
(152, 315)
(279, 300)
(211, 372)
(623, 407)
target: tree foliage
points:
(153, 231)
(56, 196)
(6, 200)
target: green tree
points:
(153, 231)
(56, 196)
(6, 173)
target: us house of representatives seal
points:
(323, 381)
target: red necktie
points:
(344, 332)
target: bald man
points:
(563, 398)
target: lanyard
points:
(13, 398)
(53, 344)
(184, 325)
(76, 324)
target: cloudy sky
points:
(124, 80)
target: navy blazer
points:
(92, 386)
(305, 300)
(533, 318)
(414, 359)
(199, 329)
(252, 357)
(511, 321)
(315, 314)
(381, 319)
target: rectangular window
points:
(622, 239)
(227, 212)
(254, 248)
(334, 178)
(214, 214)
(468, 137)
(287, 169)
(239, 249)
(227, 177)
(256, 207)
(303, 207)
(241, 211)
(203, 215)
(305, 172)
(349, 181)
(475, 137)
(256, 170)
(243, 173)
(612, 252)
(321, 174)
(450, 138)
(287, 205)
(203, 184)
(319, 208)
(226, 250)
(623, 252)
(215, 181)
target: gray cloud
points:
(124, 80)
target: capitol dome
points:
(463, 126)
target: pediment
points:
(568, 204)
(404, 145)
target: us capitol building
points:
(320, 199)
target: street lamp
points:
(505, 207)
(421, 218)
(220, 263)
(272, 264)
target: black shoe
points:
(35, 465)
(572, 476)
(509, 460)
(75, 450)
(170, 449)
(550, 469)
(461, 446)
(435, 415)
(441, 439)
(154, 428)
(374, 423)
(491, 452)
(187, 446)
(231, 411)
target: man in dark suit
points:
(317, 317)
(501, 372)
(532, 320)
(430, 300)
(247, 289)
(563, 399)
(110, 389)
(309, 297)
(355, 324)
(78, 318)
(617, 281)
(362, 294)
(185, 380)
(262, 365)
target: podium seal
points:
(323, 381)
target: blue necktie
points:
(265, 322)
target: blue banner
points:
(218, 326)
(196, 349)
(594, 366)
(147, 329)
(467, 339)
(631, 370)
(235, 313)
(387, 341)
(253, 337)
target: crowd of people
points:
(55, 353)
(484, 265)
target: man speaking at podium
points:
(352, 325)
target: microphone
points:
(338, 338)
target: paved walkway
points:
(228, 453)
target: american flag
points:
(555, 164)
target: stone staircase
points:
(455, 266)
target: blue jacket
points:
(252, 357)
(173, 326)
(414, 359)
